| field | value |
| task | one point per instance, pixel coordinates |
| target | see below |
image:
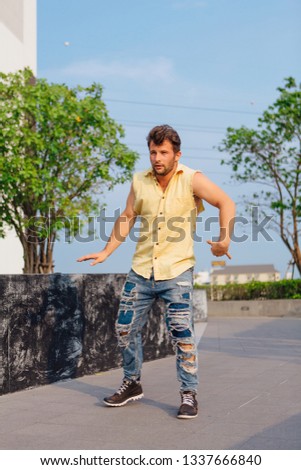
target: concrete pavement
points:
(249, 397)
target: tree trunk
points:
(294, 249)
(38, 257)
(297, 258)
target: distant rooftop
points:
(246, 269)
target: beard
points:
(162, 170)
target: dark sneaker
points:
(129, 390)
(189, 405)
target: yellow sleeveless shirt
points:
(167, 224)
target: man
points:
(167, 198)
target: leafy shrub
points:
(255, 290)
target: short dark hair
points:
(164, 132)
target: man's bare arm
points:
(121, 229)
(205, 189)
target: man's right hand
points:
(99, 257)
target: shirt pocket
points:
(180, 207)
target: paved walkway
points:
(249, 397)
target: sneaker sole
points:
(186, 416)
(137, 397)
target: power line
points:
(188, 157)
(187, 128)
(202, 149)
(201, 158)
(178, 106)
(205, 172)
(190, 126)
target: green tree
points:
(58, 149)
(271, 156)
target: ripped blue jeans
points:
(136, 300)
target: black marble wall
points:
(59, 326)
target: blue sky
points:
(199, 66)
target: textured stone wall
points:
(59, 326)
(200, 305)
(255, 308)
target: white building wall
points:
(18, 35)
(202, 277)
(18, 40)
(241, 278)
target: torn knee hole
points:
(186, 295)
(189, 363)
(191, 358)
(188, 352)
(129, 291)
(178, 308)
(185, 347)
(125, 317)
(126, 303)
(123, 338)
(190, 368)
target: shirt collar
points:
(149, 171)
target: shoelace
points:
(123, 387)
(187, 399)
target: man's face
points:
(163, 158)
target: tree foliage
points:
(58, 149)
(271, 156)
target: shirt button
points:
(161, 213)
(156, 257)
(157, 243)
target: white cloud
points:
(148, 70)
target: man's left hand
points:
(219, 248)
